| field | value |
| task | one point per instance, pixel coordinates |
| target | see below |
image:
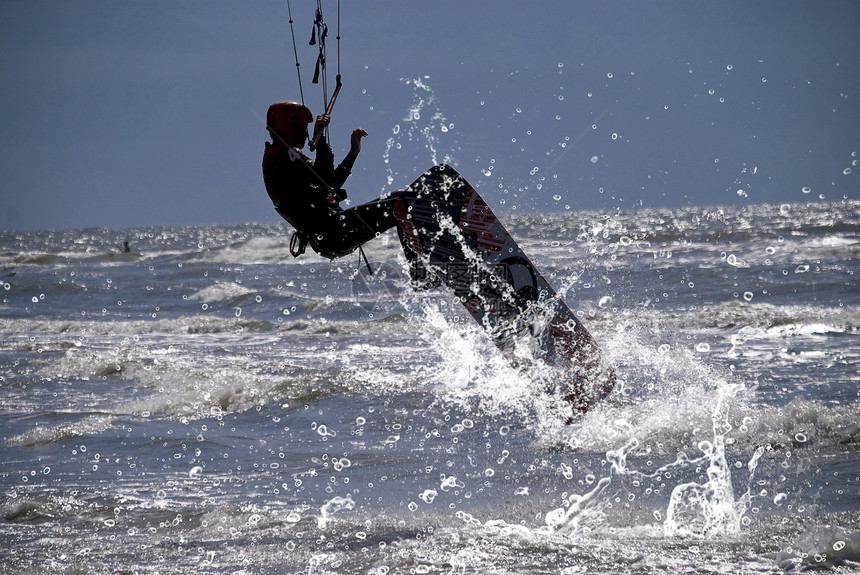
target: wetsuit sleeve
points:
(343, 170)
(324, 163)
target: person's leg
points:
(351, 228)
(346, 230)
(360, 224)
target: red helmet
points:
(284, 117)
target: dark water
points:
(207, 404)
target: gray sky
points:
(121, 113)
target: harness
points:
(298, 243)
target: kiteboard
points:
(460, 240)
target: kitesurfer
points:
(307, 193)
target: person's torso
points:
(294, 188)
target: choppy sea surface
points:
(208, 404)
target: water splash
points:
(582, 510)
(332, 506)
(705, 509)
(709, 509)
(421, 131)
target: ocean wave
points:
(61, 334)
(771, 320)
(220, 292)
(68, 258)
(778, 321)
(41, 435)
(664, 427)
(267, 249)
(80, 330)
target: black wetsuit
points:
(306, 193)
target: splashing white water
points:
(420, 131)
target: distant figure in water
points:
(126, 248)
(307, 193)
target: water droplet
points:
(733, 260)
(838, 545)
(748, 295)
(594, 159)
(604, 301)
(806, 189)
(703, 347)
(428, 496)
(846, 171)
(729, 67)
(195, 471)
(800, 437)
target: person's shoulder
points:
(276, 151)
